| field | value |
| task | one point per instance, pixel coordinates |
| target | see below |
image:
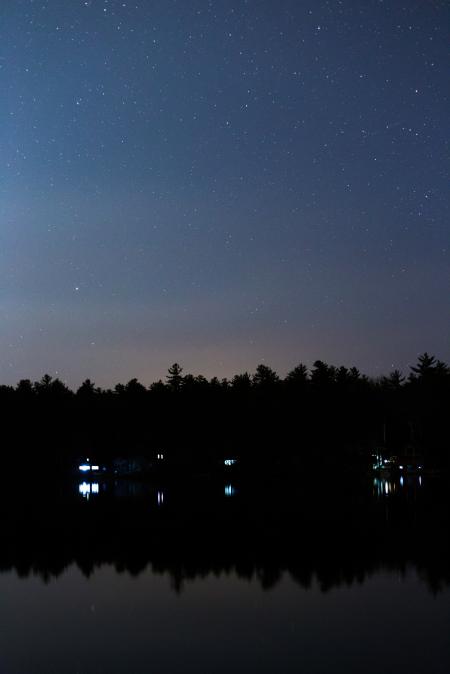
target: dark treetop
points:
(328, 417)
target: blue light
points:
(229, 490)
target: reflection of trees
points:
(341, 540)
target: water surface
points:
(227, 577)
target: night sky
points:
(222, 183)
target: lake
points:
(335, 575)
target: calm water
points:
(138, 578)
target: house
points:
(90, 468)
(131, 465)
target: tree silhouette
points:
(265, 376)
(355, 374)
(331, 414)
(174, 377)
(158, 387)
(322, 374)
(241, 382)
(441, 369)
(135, 388)
(44, 384)
(425, 367)
(25, 388)
(87, 389)
(298, 376)
(395, 380)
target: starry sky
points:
(222, 183)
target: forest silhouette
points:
(304, 501)
(327, 416)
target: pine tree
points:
(174, 377)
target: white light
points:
(229, 490)
(94, 468)
(401, 467)
(160, 497)
(85, 489)
(84, 467)
(229, 462)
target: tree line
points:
(325, 413)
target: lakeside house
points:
(88, 468)
(402, 463)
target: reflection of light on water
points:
(386, 487)
(88, 488)
(383, 487)
(229, 490)
(160, 498)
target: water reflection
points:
(130, 490)
(383, 487)
(305, 528)
(229, 490)
(86, 489)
